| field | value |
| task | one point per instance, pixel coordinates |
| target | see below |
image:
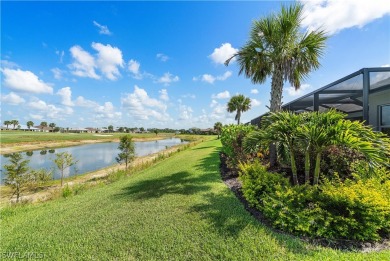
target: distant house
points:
(78, 130)
(93, 130)
(19, 127)
(44, 129)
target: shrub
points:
(258, 182)
(67, 191)
(232, 137)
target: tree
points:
(43, 124)
(277, 48)
(17, 174)
(52, 125)
(15, 122)
(218, 128)
(6, 123)
(240, 104)
(110, 128)
(126, 146)
(155, 131)
(30, 124)
(63, 161)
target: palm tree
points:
(6, 123)
(240, 104)
(30, 124)
(15, 122)
(278, 49)
(218, 128)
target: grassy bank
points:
(178, 209)
(8, 137)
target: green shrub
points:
(67, 191)
(258, 182)
(232, 137)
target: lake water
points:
(90, 157)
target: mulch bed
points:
(230, 178)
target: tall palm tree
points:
(278, 49)
(6, 123)
(30, 124)
(240, 104)
(218, 128)
(15, 122)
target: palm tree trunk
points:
(275, 106)
(238, 117)
(317, 168)
(307, 166)
(293, 166)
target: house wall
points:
(376, 99)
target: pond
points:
(90, 157)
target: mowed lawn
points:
(178, 209)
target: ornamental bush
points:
(232, 137)
(357, 209)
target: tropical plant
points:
(15, 122)
(52, 125)
(281, 128)
(6, 123)
(43, 124)
(155, 131)
(126, 146)
(30, 124)
(17, 174)
(110, 128)
(239, 104)
(218, 128)
(278, 48)
(63, 161)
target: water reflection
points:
(90, 157)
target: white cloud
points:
(108, 60)
(142, 107)
(221, 95)
(211, 79)
(57, 73)
(107, 111)
(82, 102)
(213, 103)
(36, 116)
(168, 78)
(185, 112)
(164, 95)
(12, 98)
(133, 66)
(255, 103)
(9, 64)
(303, 89)
(334, 16)
(49, 110)
(103, 29)
(25, 81)
(189, 95)
(162, 57)
(84, 64)
(66, 96)
(254, 91)
(221, 54)
(61, 54)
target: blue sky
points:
(160, 64)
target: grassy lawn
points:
(178, 209)
(27, 136)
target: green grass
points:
(27, 136)
(178, 209)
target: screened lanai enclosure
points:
(363, 95)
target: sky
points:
(161, 64)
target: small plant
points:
(67, 192)
(127, 154)
(63, 161)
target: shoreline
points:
(29, 146)
(48, 192)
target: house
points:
(44, 129)
(19, 127)
(363, 95)
(93, 130)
